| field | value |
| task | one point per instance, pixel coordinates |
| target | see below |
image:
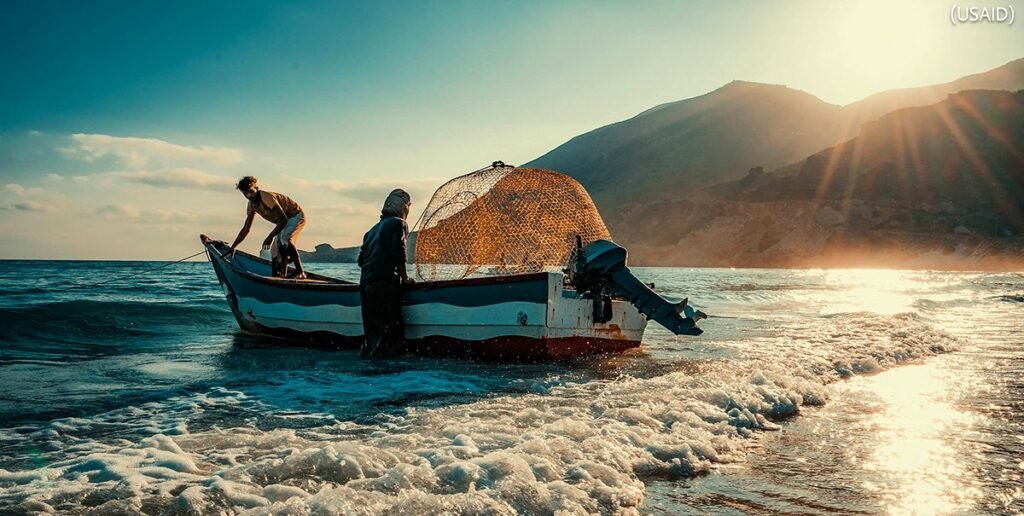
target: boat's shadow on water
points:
(296, 376)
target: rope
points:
(147, 271)
(494, 164)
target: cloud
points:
(334, 209)
(161, 215)
(31, 206)
(121, 211)
(136, 152)
(373, 192)
(54, 177)
(21, 190)
(27, 204)
(117, 211)
(175, 178)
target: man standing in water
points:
(382, 262)
(288, 220)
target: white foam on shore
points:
(574, 448)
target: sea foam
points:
(572, 448)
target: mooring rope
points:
(147, 271)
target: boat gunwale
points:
(333, 284)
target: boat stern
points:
(579, 324)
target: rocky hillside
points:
(1009, 77)
(326, 253)
(912, 177)
(691, 143)
(940, 186)
(680, 147)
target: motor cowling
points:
(599, 269)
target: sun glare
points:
(880, 291)
(881, 38)
(919, 431)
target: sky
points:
(123, 125)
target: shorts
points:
(289, 234)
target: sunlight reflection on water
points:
(920, 435)
(884, 292)
(939, 436)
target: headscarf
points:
(396, 203)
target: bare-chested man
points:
(288, 220)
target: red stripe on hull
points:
(501, 349)
(518, 349)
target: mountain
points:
(687, 144)
(651, 177)
(939, 186)
(326, 253)
(1009, 77)
(676, 148)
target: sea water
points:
(811, 391)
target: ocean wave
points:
(97, 319)
(14, 291)
(939, 306)
(782, 287)
(575, 447)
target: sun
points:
(872, 46)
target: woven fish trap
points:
(504, 221)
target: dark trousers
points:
(383, 324)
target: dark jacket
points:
(382, 257)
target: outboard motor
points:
(600, 270)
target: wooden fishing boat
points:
(518, 317)
(593, 305)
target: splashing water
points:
(813, 391)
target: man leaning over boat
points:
(288, 220)
(382, 260)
